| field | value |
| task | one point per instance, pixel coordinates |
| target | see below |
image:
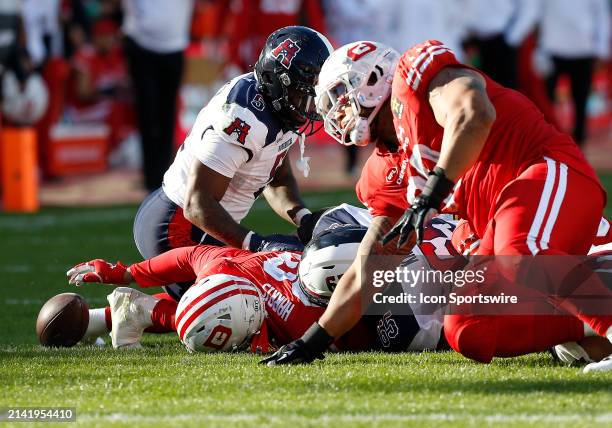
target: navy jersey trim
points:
(243, 94)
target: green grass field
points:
(164, 384)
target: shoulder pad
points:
(422, 62)
(245, 118)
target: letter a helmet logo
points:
(285, 52)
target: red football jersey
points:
(275, 274)
(382, 184)
(520, 136)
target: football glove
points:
(425, 206)
(308, 223)
(305, 350)
(98, 271)
(275, 242)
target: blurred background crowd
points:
(110, 84)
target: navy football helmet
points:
(287, 70)
(326, 258)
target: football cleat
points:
(604, 365)
(571, 353)
(130, 314)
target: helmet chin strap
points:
(302, 164)
(360, 134)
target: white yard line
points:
(77, 217)
(384, 417)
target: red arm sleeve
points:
(179, 265)
(167, 268)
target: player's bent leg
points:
(160, 226)
(163, 315)
(548, 207)
(551, 209)
(473, 336)
(131, 314)
(162, 318)
(482, 337)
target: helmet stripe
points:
(213, 302)
(204, 295)
(202, 299)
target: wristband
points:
(297, 219)
(316, 338)
(437, 187)
(247, 240)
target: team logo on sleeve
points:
(396, 107)
(285, 52)
(239, 127)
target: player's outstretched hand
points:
(275, 242)
(425, 206)
(295, 352)
(99, 271)
(305, 350)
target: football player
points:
(236, 151)
(295, 289)
(453, 140)
(225, 307)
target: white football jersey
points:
(238, 136)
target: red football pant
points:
(549, 209)
(163, 315)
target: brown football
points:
(63, 320)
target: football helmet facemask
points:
(287, 70)
(354, 83)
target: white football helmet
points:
(219, 313)
(326, 258)
(359, 75)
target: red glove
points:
(99, 271)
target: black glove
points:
(307, 225)
(275, 242)
(304, 350)
(425, 205)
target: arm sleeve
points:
(167, 268)
(179, 265)
(219, 154)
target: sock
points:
(163, 317)
(98, 325)
(107, 318)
